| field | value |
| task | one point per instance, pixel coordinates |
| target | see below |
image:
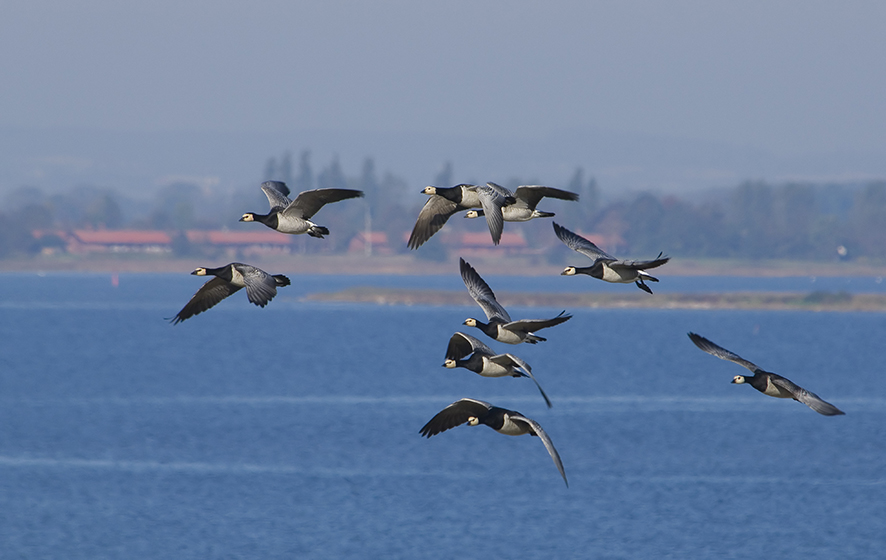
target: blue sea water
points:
(292, 431)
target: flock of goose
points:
(498, 205)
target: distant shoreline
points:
(775, 301)
(410, 264)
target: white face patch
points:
(449, 363)
(472, 214)
(473, 420)
(738, 379)
(246, 218)
(200, 272)
(430, 190)
(568, 271)
(471, 322)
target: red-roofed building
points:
(375, 242)
(117, 241)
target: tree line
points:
(752, 220)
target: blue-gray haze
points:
(292, 431)
(644, 94)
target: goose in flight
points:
(482, 360)
(503, 421)
(446, 201)
(527, 198)
(294, 216)
(766, 382)
(500, 326)
(261, 287)
(606, 267)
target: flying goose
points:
(605, 266)
(446, 201)
(483, 361)
(260, 286)
(500, 326)
(766, 382)
(527, 198)
(503, 421)
(294, 216)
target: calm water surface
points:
(292, 431)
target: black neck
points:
(595, 270)
(269, 219)
(225, 272)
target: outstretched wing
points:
(502, 191)
(507, 360)
(722, 353)
(432, 217)
(492, 198)
(808, 398)
(461, 344)
(532, 325)
(207, 296)
(309, 203)
(530, 195)
(454, 415)
(581, 245)
(545, 439)
(639, 265)
(277, 193)
(482, 293)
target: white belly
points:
(508, 337)
(624, 276)
(512, 428)
(492, 369)
(292, 225)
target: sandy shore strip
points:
(780, 301)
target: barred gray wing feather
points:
(545, 439)
(639, 265)
(531, 195)
(502, 191)
(808, 398)
(492, 199)
(581, 245)
(482, 293)
(512, 360)
(433, 216)
(206, 297)
(532, 325)
(308, 203)
(260, 286)
(277, 193)
(722, 353)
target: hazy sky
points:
(786, 77)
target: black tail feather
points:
(318, 232)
